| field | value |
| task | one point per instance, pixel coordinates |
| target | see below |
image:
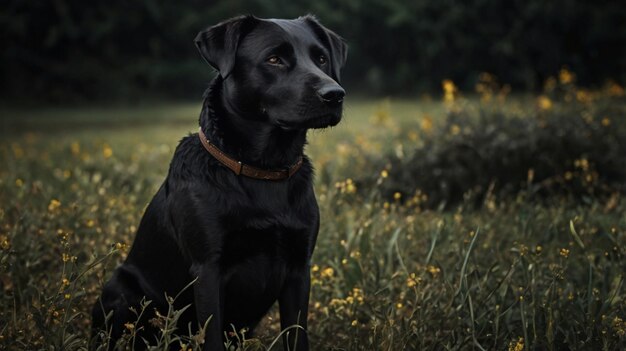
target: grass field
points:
(516, 272)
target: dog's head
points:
(283, 72)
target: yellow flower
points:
(619, 326)
(615, 89)
(328, 272)
(54, 204)
(5, 244)
(565, 76)
(564, 252)
(413, 280)
(434, 271)
(75, 148)
(544, 102)
(449, 90)
(120, 246)
(354, 323)
(517, 346)
(426, 124)
(397, 196)
(350, 188)
(107, 151)
(606, 122)
(455, 129)
(384, 173)
(19, 183)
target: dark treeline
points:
(72, 50)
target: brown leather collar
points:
(243, 169)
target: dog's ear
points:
(336, 44)
(218, 44)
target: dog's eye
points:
(322, 60)
(274, 60)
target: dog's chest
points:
(278, 238)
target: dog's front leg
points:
(207, 296)
(294, 305)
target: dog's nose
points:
(332, 94)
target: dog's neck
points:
(250, 141)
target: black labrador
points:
(237, 215)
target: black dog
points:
(237, 212)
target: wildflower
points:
(517, 346)
(426, 124)
(538, 249)
(344, 261)
(54, 204)
(384, 173)
(350, 187)
(357, 294)
(65, 282)
(564, 252)
(315, 268)
(397, 196)
(19, 183)
(337, 303)
(65, 257)
(449, 90)
(67, 296)
(354, 323)
(549, 84)
(120, 246)
(615, 89)
(619, 326)
(107, 152)
(90, 223)
(399, 305)
(413, 280)
(75, 148)
(328, 273)
(566, 76)
(544, 102)
(523, 250)
(583, 96)
(5, 244)
(606, 122)
(434, 271)
(455, 129)
(582, 163)
(530, 175)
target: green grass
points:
(388, 275)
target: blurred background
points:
(68, 51)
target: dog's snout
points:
(331, 94)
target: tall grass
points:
(495, 267)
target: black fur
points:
(246, 242)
